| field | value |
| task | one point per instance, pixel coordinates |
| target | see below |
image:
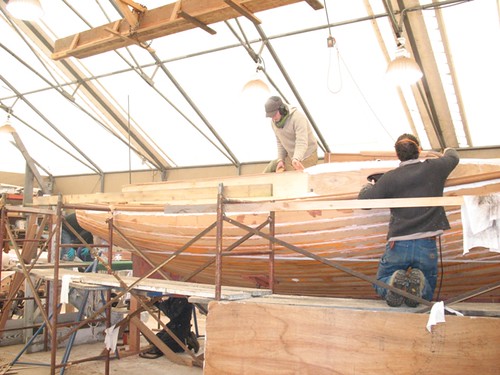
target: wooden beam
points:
(315, 4)
(30, 210)
(195, 21)
(83, 280)
(175, 12)
(74, 43)
(131, 17)
(30, 162)
(240, 8)
(316, 205)
(146, 331)
(132, 40)
(290, 184)
(430, 94)
(297, 205)
(179, 196)
(159, 22)
(133, 4)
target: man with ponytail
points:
(410, 259)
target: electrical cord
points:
(329, 74)
(366, 100)
(442, 269)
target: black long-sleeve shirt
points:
(413, 179)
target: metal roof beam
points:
(99, 100)
(229, 154)
(322, 142)
(431, 93)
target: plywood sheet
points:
(251, 338)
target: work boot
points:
(397, 280)
(192, 342)
(416, 282)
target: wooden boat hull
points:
(351, 238)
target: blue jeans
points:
(66, 236)
(401, 255)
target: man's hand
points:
(280, 166)
(431, 154)
(297, 165)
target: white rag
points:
(66, 280)
(111, 338)
(437, 314)
(481, 222)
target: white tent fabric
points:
(186, 99)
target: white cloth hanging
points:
(111, 338)
(66, 280)
(481, 222)
(436, 314)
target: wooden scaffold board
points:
(81, 280)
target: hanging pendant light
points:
(7, 126)
(26, 10)
(256, 84)
(403, 70)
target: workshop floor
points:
(39, 363)
(128, 365)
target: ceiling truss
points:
(141, 25)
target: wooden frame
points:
(169, 19)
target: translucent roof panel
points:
(180, 102)
(476, 58)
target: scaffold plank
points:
(79, 279)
